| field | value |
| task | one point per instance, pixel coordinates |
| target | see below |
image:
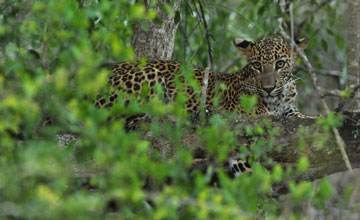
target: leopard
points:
(268, 75)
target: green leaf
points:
(177, 17)
(301, 190)
(10, 50)
(330, 32)
(248, 130)
(323, 192)
(339, 40)
(158, 21)
(144, 25)
(151, 14)
(277, 173)
(248, 103)
(137, 11)
(167, 9)
(263, 8)
(324, 45)
(259, 130)
(303, 164)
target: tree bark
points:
(353, 70)
(324, 159)
(157, 42)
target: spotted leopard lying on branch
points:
(268, 75)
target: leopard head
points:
(272, 62)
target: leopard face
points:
(272, 62)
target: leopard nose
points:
(268, 89)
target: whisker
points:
(290, 82)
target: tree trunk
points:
(157, 42)
(353, 76)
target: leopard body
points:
(268, 75)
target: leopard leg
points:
(133, 122)
(294, 112)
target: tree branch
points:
(324, 159)
(353, 49)
(337, 92)
(211, 62)
(207, 34)
(231, 64)
(313, 80)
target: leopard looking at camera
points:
(269, 75)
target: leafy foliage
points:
(51, 54)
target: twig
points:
(211, 62)
(185, 30)
(313, 79)
(292, 30)
(239, 14)
(192, 31)
(193, 54)
(207, 36)
(343, 103)
(322, 72)
(44, 52)
(230, 65)
(205, 86)
(337, 92)
(282, 5)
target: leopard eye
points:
(280, 64)
(257, 65)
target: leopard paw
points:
(239, 166)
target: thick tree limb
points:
(324, 159)
(353, 50)
(313, 80)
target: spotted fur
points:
(268, 75)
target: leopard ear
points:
(243, 45)
(302, 43)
